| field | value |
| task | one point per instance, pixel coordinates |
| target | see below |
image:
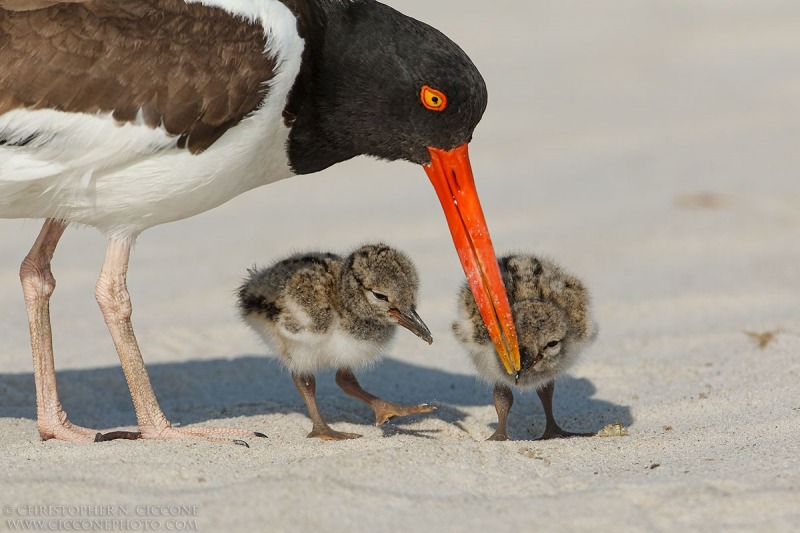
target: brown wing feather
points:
(197, 70)
(30, 5)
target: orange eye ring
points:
(433, 99)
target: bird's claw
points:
(330, 434)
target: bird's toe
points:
(499, 436)
(57, 427)
(210, 434)
(557, 432)
(385, 411)
(331, 434)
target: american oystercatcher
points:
(552, 311)
(319, 310)
(125, 114)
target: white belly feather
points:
(305, 352)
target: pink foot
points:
(209, 434)
(57, 427)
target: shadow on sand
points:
(197, 391)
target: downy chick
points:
(319, 310)
(554, 325)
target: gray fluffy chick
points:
(319, 310)
(554, 324)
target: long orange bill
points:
(451, 175)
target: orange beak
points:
(451, 176)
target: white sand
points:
(651, 147)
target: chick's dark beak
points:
(412, 322)
(526, 359)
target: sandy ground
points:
(653, 148)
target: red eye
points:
(433, 99)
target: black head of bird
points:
(394, 88)
(378, 83)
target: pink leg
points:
(38, 285)
(115, 303)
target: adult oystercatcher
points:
(552, 311)
(125, 114)
(319, 310)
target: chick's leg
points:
(503, 400)
(384, 410)
(552, 430)
(307, 385)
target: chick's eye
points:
(380, 296)
(553, 344)
(433, 99)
